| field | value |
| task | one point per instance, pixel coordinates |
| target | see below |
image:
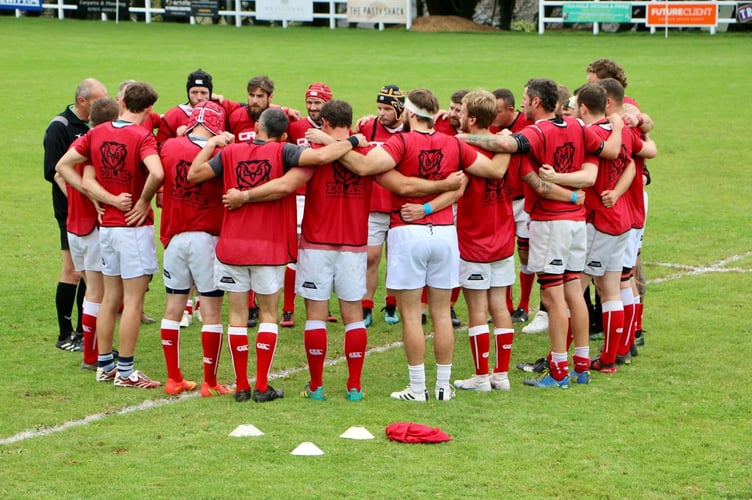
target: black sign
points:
(205, 8)
(109, 7)
(177, 9)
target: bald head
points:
(88, 91)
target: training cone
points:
(247, 430)
(357, 432)
(307, 449)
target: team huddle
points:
(257, 201)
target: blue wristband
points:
(427, 208)
(574, 197)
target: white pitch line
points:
(154, 403)
(688, 270)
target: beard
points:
(255, 113)
(405, 122)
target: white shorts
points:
(487, 275)
(557, 246)
(521, 218)
(322, 271)
(605, 252)
(85, 251)
(189, 260)
(634, 243)
(128, 252)
(264, 280)
(300, 209)
(378, 227)
(422, 255)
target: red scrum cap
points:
(320, 91)
(210, 115)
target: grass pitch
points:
(676, 424)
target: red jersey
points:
(377, 134)
(520, 122)
(296, 131)
(617, 219)
(629, 100)
(117, 151)
(257, 234)
(296, 135)
(152, 122)
(444, 126)
(173, 119)
(565, 144)
(240, 123)
(187, 206)
(485, 221)
(82, 214)
(636, 193)
(336, 208)
(431, 156)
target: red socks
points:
(211, 343)
(237, 338)
(510, 300)
(266, 344)
(356, 341)
(558, 365)
(629, 314)
(315, 341)
(479, 347)
(171, 348)
(289, 290)
(526, 287)
(89, 323)
(503, 337)
(613, 326)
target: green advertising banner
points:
(597, 12)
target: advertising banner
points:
(376, 11)
(205, 8)
(35, 5)
(682, 14)
(597, 12)
(284, 10)
(744, 13)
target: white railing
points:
(725, 16)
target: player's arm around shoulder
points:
(200, 170)
(66, 168)
(490, 168)
(649, 148)
(551, 191)
(269, 191)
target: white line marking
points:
(154, 403)
(687, 270)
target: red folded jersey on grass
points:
(408, 432)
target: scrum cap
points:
(199, 78)
(320, 91)
(391, 95)
(210, 115)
